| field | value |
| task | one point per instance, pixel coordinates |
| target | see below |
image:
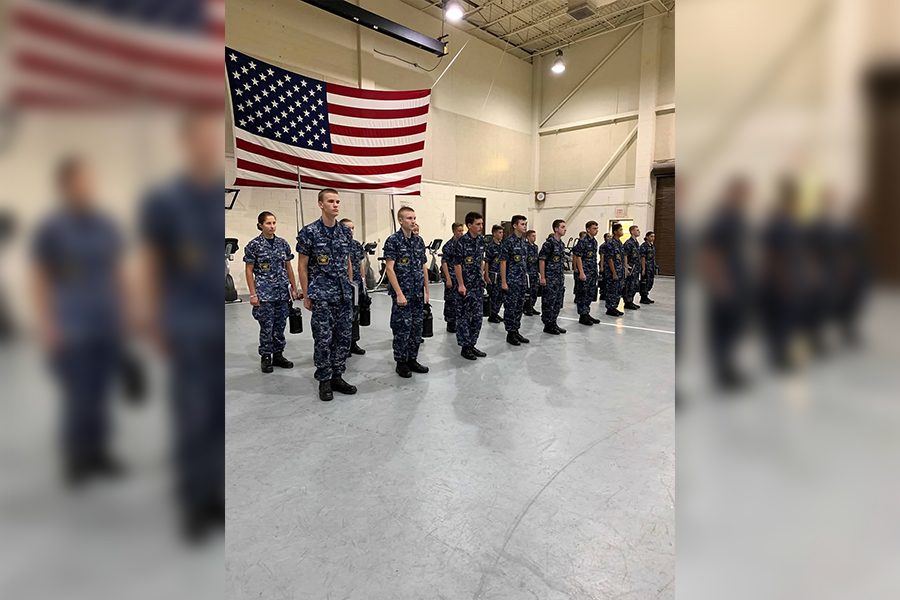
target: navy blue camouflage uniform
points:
(468, 252)
(408, 255)
(586, 249)
(514, 251)
(601, 280)
(183, 222)
(648, 252)
(615, 252)
(80, 254)
(272, 289)
(329, 289)
(357, 253)
(553, 254)
(632, 251)
(451, 296)
(533, 273)
(492, 257)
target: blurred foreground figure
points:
(78, 295)
(726, 277)
(182, 223)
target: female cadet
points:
(268, 270)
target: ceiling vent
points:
(580, 9)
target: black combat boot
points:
(478, 352)
(266, 363)
(613, 312)
(549, 328)
(339, 385)
(512, 338)
(467, 353)
(522, 339)
(593, 319)
(280, 361)
(632, 306)
(585, 320)
(558, 328)
(355, 349)
(325, 394)
(417, 367)
(495, 319)
(403, 370)
(451, 326)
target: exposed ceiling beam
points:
(514, 13)
(594, 19)
(549, 16)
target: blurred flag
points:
(288, 125)
(102, 53)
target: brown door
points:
(467, 204)
(664, 224)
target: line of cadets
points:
(512, 270)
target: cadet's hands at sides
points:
(582, 277)
(449, 284)
(504, 287)
(254, 299)
(307, 303)
(401, 299)
(543, 280)
(462, 289)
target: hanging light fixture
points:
(558, 65)
(453, 11)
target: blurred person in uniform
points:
(467, 259)
(182, 223)
(407, 272)
(601, 280)
(632, 250)
(576, 290)
(358, 260)
(533, 275)
(614, 271)
(450, 294)
(782, 274)
(270, 279)
(726, 277)
(325, 254)
(513, 278)
(79, 296)
(552, 279)
(648, 266)
(492, 258)
(585, 263)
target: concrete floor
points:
(544, 471)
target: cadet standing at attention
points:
(632, 250)
(601, 282)
(326, 278)
(471, 271)
(648, 266)
(585, 263)
(513, 254)
(407, 273)
(450, 295)
(614, 272)
(357, 259)
(267, 259)
(533, 276)
(550, 266)
(492, 258)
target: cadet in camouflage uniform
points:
(513, 256)
(451, 297)
(614, 272)
(326, 276)
(471, 271)
(601, 282)
(357, 259)
(533, 276)
(550, 267)
(585, 264)
(632, 251)
(267, 259)
(648, 266)
(492, 258)
(407, 273)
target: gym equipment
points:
(231, 247)
(434, 269)
(369, 279)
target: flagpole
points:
(298, 204)
(450, 65)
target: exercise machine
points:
(231, 247)
(434, 269)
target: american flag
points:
(98, 53)
(288, 125)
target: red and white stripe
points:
(377, 142)
(66, 57)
